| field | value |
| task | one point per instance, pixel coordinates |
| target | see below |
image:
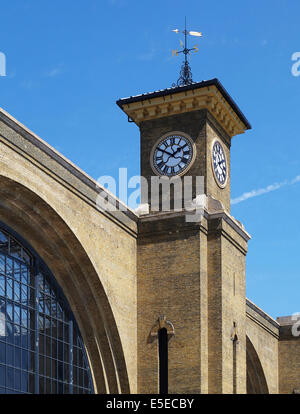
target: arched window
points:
(41, 350)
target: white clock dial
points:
(172, 155)
(219, 163)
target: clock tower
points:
(190, 275)
(187, 131)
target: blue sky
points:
(69, 61)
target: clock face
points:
(172, 155)
(219, 164)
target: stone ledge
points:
(262, 318)
(285, 330)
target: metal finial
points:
(185, 77)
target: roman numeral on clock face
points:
(160, 165)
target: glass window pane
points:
(31, 363)
(81, 374)
(41, 365)
(17, 314)
(2, 264)
(60, 388)
(85, 379)
(47, 327)
(41, 323)
(24, 381)
(42, 344)
(60, 330)
(9, 332)
(18, 357)
(2, 286)
(2, 320)
(17, 380)
(2, 353)
(41, 303)
(26, 257)
(17, 341)
(48, 345)
(10, 377)
(24, 294)
(31, 383)
(41, 282)
(9, 288)
(48, 367)
(48, 386)
(25, 275)
(59, 312)
(53, 308)
(25, 360)
(17, 289)
(17, 270)
(10, 355)
(60, 351)
(60, 370)
(67, 372)
(2, 375)
(42, 385)
(80, 362)
(75, 356)
(47, 304)
(15, 249)
(75, 375)
(66, 333)
(9, 267)
(3, 242)
(24, 317)
(54, 348)
(54, 387)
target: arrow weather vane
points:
(185, 72)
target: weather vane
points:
(185, 72)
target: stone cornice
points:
(237, 226)
(177, 102)
(208, 213)
(168, 223)
(263, 324)
(262, 319)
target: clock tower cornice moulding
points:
(210, 95)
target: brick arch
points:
(49, 235)
(256, 380)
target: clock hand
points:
(170, 155)
(222, 166)
(223, 170)
(178, 150)
(167, 152)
